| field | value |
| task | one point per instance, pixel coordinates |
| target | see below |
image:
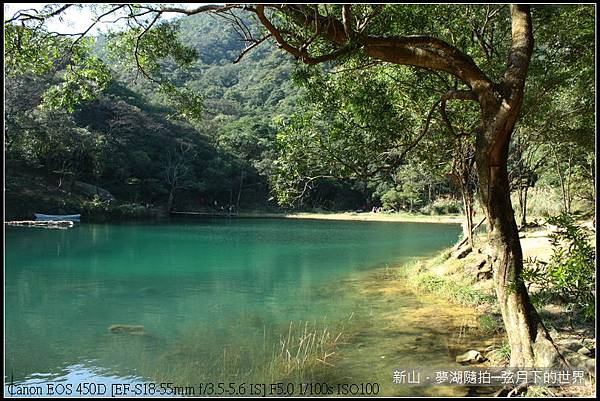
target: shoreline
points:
(465, 280)
(341, 216)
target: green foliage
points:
(456, 291)
(553, 152)
(188, 104)
(79, 82)
(94, 208)
(28, 51)
(571, 270)
(488, 324)
(97, 210)
(153, 52)
(349, 131)
(120, 139)
(78, 75)
(356, 125)
(504, 351)
(442, 206)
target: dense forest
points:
(127, 142)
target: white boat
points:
(57, 217)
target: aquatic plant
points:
(306, 347)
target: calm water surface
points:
(214, 296)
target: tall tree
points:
(500, 102)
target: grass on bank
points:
(442, 275)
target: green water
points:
(215, 297)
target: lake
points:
(219, 300)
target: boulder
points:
(463, 252)
(572, 344)
(590, 365)
(471, 356)
(484, 270)
(584, 351)
(545, 353)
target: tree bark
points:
(530, 342)
(524, 205)
(468, 205)
(523, 326)
(170, 200)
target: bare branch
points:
(252, 46)
(81, 35)
(299, 53)
(307, 186)
(197, 10)
(137, 46)
(19, 14)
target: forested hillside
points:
(127, 140)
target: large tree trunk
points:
(529, 340)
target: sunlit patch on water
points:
(403, 330)
(69, 382)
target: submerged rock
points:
(471, 356)
(137, 330)
(149, 291)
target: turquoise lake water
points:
(208, 292)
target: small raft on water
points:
(48, 221)
(44, 223)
